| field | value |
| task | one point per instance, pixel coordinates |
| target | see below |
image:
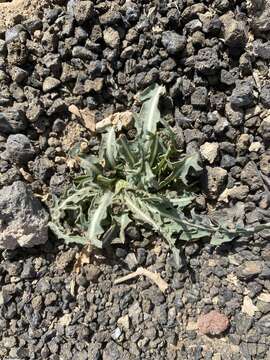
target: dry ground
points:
(12, 12)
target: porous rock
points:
(199, 98)
(265, 95)
(43, 168)
(209, 151)
(18, 74)
(265, 129)
(249, 269)
(19, 148)
(235, 34)
(207, 62)
(215, 181)
(235, 116)
(50, 83)
(83, 11)
(12, 121)
(213, 323)
(111, 37)
(261, 24)
(239, 192)
(242, 95)
(173, 42)
(23, 219)
(265, 164)
(262, 49)
(250, 176)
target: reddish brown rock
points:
(213, 323)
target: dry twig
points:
(155, 277)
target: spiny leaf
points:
(61, 234)
(190, 162)
(105, 182)
(123, 221)
(75, 198)
(181, 170)
(146, 213)
(120, 185)
(194, 234)
(73, 203)
(148, 178)
(183, 200)
(109, 236)
(150, 114)
(125, 150)
(154, 150)
(97, 216)
(138, 210)
(221, 237)
(91, 165)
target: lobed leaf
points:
(61, 233)
(91, 165)
(181, 169)
(222, 237)
(182, 200)
(123, 221)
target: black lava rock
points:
(265, 96)
(242, 96)
(173, 42)
(12, 121)
(20, 149)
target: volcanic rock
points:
(209, 151)
(173, 42)
(215, 181)
(213, 323)
(12, 121)
(265, 95)
(19, 149)
(23, 219)
(242, 96)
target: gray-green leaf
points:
(108, 148)
(97, 215)
(150, 114)
(221, 237)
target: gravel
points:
(75, 311)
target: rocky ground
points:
(213, 57)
